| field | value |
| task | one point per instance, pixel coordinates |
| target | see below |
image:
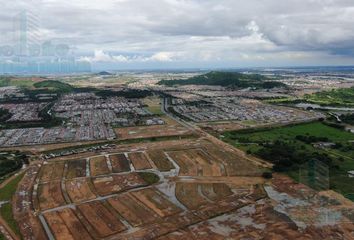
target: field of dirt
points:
(117, 183)
(139, 160)
(211, 193)
(160, 159)
(195, 195)
(156, 201)
(120, 163)
(171, 128)
(104, 221)
(79, 190)
(195, 162)
(50, 195)
(133, 210)
(98, 166)
(190, 195)
(51, 172)
(65, 225)
(76, 169)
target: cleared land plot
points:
(58, 227)
(139, 160)
(98, 166)
(30, 227)
(194, 162)
(51, 172)
(132, 210)
(76, 169)
(235, 165)
(50, 195)
(189, 194)
(79, 190)
(119, 163)
(215, 191)
(171, 128)
(101, 219)
(117, 183)
(156, 201)
(160, 159)
(65, 225)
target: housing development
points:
(166, 159)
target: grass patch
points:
(9, 190)
(335, 97)
(6, 214)
(149, 178)
(316, 129)
(17, 82)
(291, 147)
(155, 110)
(153, 105)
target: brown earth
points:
(119, 163)
(139, 160)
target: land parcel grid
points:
(52, 171)
(65, 225)
(102, 220)
(195, 195)
(195, 162)
(76, 169)
(135, 212)
(109, 185)
(119, 163)
(80, 190)
(111, 200)
(160, 159)
(98, 166)
(156, 201)
(139, 160)
(50, 195)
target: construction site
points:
(175, 189)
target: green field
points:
(343, 97)
(9, 190)
(6, 194)
(18, 82)
(291, 147)
(337, 97)
(6, 214)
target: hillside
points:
(54, 85)
(227, 79)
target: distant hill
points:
(104, 73)
(54, 85)
(227, 79)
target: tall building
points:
(26, 34)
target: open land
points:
(144, 160)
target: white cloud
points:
(104, 57)
(101, 56)
(164, 56)
(164, 31)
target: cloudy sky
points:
(195, 33)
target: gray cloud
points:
(233, 32)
